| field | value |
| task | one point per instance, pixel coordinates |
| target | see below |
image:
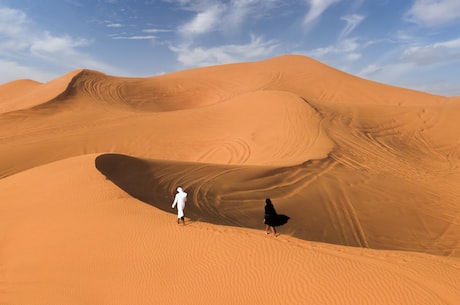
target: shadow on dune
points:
(235, 196)
(135, 176)
(209, 188)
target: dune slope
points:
(352, 162)
(85, 240)
(369, 175)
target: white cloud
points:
(389, 73)
(352, 21)
(200, 56)
(135, 37)
(353, 56)
(222, 16)
(317, 8)
(441, 87)
(408, 75)
(156, 31)
(425, 55)
(11, 46)
(12, 22)
(21, 42)
(53, 44)
(451, 44)
(239, 11)
(18, 71)
(349, 45)
(439, 52)
(203, 22)
(114, 25)
(13, 25)
(369, 70)
(434, 12)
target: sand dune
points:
(23, 94)
(97, 244)
(368, 174)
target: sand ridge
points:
(368, 174)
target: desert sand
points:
(368, 173)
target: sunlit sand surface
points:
(369, 175)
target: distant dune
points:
(369, 175)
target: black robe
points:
(270, 215)
(272, 218)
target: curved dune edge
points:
(199, 87)
(18, 95)
(275, 128)
(13, 89)
(86, 239)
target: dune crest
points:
(13, 98)
(11, 90)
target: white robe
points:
(179, 200)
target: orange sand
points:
(368, 173)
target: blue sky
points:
(408, 43)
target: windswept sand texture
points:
(369, 175)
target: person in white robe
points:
(179, 201)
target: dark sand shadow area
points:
(234, 195)
(216, 193)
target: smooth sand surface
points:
(369, 175)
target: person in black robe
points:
(270, 217)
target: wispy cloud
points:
(388, 73)
(439, 52)
(50, 44)
(239, 12)
(349, 45)
(408, 65)
(434, 12)
(200, 56)
(204, 21)
(222, 16)
(114, 25)
(19, 71)
(352, 21)
(317, 8)
(152, 31)
(135, 37)
(369, 70)
(353, 56)
(406, 75)
(21, 41)
(12, 22)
